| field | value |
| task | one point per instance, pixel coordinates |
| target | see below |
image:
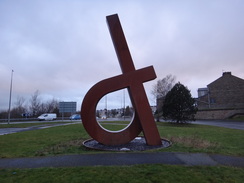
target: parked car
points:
(47, 116)
(75, 117)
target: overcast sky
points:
(62, 48)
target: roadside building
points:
(223, 98)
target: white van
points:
(47, 116)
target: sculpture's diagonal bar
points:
(120, 44)
(137, 92)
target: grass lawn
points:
(124, 174)
(203, 138)
(68, 139)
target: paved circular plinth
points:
(138, 144)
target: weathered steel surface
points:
(131, 79)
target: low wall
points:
(218, 114)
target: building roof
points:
(227, 80)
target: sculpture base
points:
(138, 144)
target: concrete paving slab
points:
(228, 160)
(196, 159)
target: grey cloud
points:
(62, 48)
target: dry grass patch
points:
(61, 148)
(194, 141)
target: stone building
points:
(224, 96)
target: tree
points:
(159, 91)
(113, 112)
(163, 86)
(128, 111)
(35, 103)
(179, 105)
(50, 106)
(19, 108)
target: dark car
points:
(75, 117)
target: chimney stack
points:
(226, 73)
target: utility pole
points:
(124, 103)
(106, 107)
(9, 107)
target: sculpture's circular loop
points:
(88, 111)
(114, 131)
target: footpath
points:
(120, 159)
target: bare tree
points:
(35, 103)
(20, 101)
(163, 86)
(42, 108)
(49, 106)
(52, 105)
(159, 91)
(19, 108)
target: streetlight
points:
(9, 107)
(124, 103)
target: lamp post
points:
(124, 103)
(9, 107)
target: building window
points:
(212, 101)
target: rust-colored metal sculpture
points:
(131, 79)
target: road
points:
(226, 124)
(5, 131)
